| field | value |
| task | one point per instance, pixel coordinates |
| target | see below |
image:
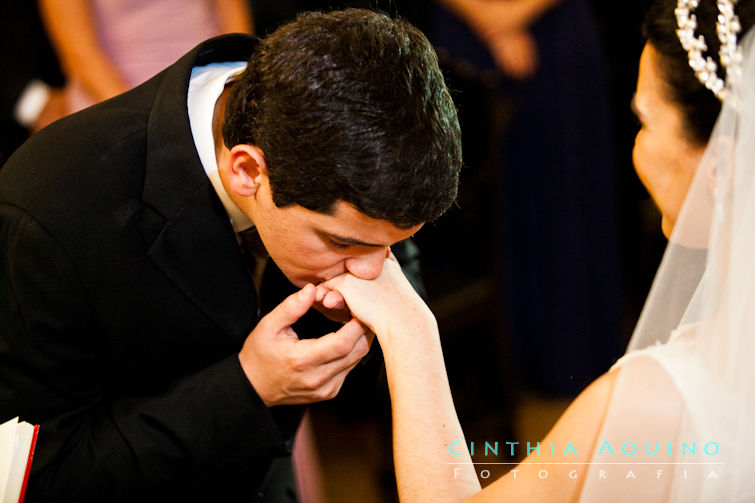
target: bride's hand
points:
(387, 304)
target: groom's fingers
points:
(290, 310)
(349, 344)
(332, 353)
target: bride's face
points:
(665, 160)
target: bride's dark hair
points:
(700, 107)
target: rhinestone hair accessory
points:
(730, 55)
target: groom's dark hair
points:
(350, 106)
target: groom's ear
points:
(246, 168)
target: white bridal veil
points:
(680, 426)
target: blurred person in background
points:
(554, 183)
(109, 46)
(30, 92)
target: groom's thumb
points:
(292, 308)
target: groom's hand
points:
(284, 369)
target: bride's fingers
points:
(320, 292)
(333, 300)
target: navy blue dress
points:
(554, 223)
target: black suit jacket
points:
(124, 300)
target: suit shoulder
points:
(88, 142)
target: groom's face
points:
(312, 247)
(307, 246)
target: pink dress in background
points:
(142, 37)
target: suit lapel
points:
(189, 234)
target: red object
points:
(28, 463)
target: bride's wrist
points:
(409, 335)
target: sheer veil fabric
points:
(680, 426)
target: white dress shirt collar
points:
(206, 85)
